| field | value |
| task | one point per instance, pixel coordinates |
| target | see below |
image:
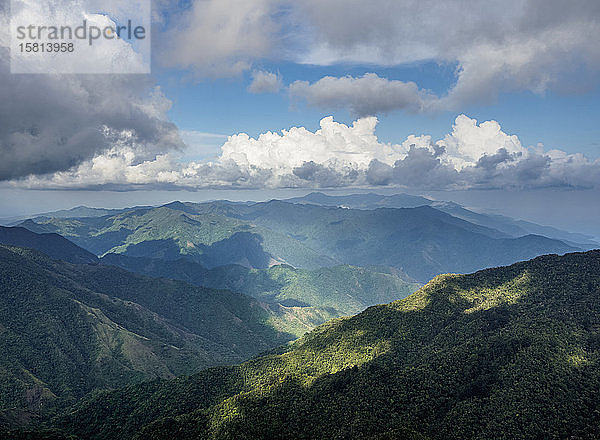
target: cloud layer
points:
(86, 131)
(513, 45)
(472, 155)
(535, 45)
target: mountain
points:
(81, 212)
(341, 290)
(51, 244)
(515, 228)
(422, 242)
(580, 240)
(77, 212)
(507, 226)
(368, 201)
(67, 329)
(510, 352)
(170, 232)
(299, 299)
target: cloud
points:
(469, 141)
(534, 45)
(472, 155)
(265, 82)
(218, 38)
(53, 122)
(364, 96)
(100, 55)
(85, 131)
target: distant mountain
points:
(515, 228)
(51, 244)
(82, 212)
(170, 232)
(511, 352)
(503, 224)
(342, 290)
(77, 212)
(67, 329)
(363, 201)
(580, 240)
(422, 242)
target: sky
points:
(492, 103)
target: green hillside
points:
(422, 241)
(511, 352)
(67, 329)
(345, 290)
(504, 225)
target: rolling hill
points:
(170, 232)
(510, 352)
(298, 299)
(422, 241)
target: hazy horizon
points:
(578, 212)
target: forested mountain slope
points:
(506, 225)
(346, 290)
(67, 329)
(511, 352)
(53, 245)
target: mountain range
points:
(67, 329)
(508, 226)
(510, 352)
(340, 290)
(420, 242)
(51, 244)
(302, 299)
(223, 320)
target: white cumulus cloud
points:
(363, 96)
(265, 82)
(472, 155)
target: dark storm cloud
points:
(51, 122)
